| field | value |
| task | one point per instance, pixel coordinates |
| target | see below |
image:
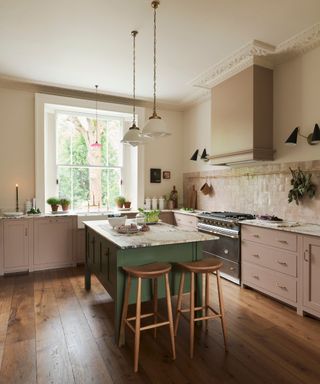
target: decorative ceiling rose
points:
(155, 127)
(133, 136)
(96, 144)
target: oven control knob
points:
(226, 251)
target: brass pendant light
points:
(133, 136)
(155, 127)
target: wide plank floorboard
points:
(52, 331)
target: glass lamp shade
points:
(96, 145)
(133, 136)
(292, 139)
(155, 127)
(315, 135)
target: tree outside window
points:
(87, 174)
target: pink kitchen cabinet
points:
(17, 245)
(53, 242)
(311, 275)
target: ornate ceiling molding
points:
(258, 52)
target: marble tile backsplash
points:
(258, 189)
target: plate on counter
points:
(13, 214)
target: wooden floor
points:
(53, 331)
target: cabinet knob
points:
(256, 277)
(256, 236)
(283, 241)
(256, 256)
(282, 263)
(283, 287)
(306, 255)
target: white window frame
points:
(133, 176)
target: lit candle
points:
(17, 198)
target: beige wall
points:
(296, 103)
(165, 153)
(16, 146)
(17, 149)
(196, 135)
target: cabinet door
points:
(16, 254)
(53, 242)
(311, 273)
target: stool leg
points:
(192, 315)
(170, 318)
(137, 327)
(207, 298)
(181, 286)
(124, 312)
(221, 305)
(155, 305)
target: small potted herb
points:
(54, 202)
(127, 204)
(120, 200)
(65, 204)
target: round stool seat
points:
(147, 270)
(205, 265)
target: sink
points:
(90, 216)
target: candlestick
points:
(17, 198)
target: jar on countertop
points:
(140, 218)
(161, 203)
(154, 203)
(148, 204)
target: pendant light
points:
(155, 127)
(133, 136)
(96, 144)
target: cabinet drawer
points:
(273, 237)
(270, 281)
(276, 259)
(186, 220)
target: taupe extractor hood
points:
(242, 117)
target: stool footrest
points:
(206, 317)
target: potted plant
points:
(65, 204)
(127, 204)
(120, 200)
(54, 202)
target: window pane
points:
(111, 186)
(64, 134)
(114, 146)
(80, 195)
(64, 178)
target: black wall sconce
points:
(204, 155)
(312, 138)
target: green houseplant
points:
(150, 216)
(65, 203)
(54, 202)
(301, 186)
(127, 204)
(120, 200)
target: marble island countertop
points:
(287, 226)
(159, 234)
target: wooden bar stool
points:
(147, 271)
(206, 266)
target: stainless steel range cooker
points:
(227, 248)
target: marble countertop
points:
(159, 234)
(287, 226)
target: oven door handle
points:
(218, 233)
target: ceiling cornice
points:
(254, 52)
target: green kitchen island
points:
(108, 251)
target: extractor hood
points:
(242, 118)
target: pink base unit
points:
(283, 265)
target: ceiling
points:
(80, 43)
